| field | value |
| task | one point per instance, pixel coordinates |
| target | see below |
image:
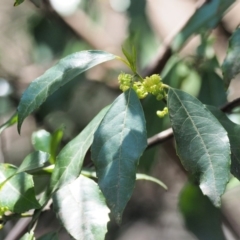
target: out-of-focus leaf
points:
(231, 64)
(41, 141)
(201, 217)
(234, 137)
(83, 200)
(54, 78)
(202, 143)
(46, 142)
(141, 176)
(28, 236)
(16, 190)
(9, 123)
(212, 90)
(49, 236)
(55, 142)
(70, 159)
(34, 161)
(18, 2)
(118, 144)
(205, 18)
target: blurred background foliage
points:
(37, 33)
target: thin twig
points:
(168, 133)
(228, 107)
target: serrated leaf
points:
(41, 141)
(34, 161)
(118, 144)
(28, 236)
(9, 123)
(49, 236)
(16, 190)
(70, 159)
(234, 137)
(231, 64)
(205, 18)
(86, 204)
(202, 143)
(54, 78)
(141, 176)
(202, 219)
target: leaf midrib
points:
(202, 140)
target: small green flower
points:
(162, 113)
(125, 81)
(153, 84)
(140, 90)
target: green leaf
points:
(118, 144)
(82, 210)
(70, 159)
(212, 91)
(54, 78)
(34, 161)
(41, 140)
(205, 18)
(234, 137)
(16, 190)
(202, 143)
(28, 236)
(141, 176)
(18, 2)
(231, 64)
(55, 142)
(202, 219)
(49, 236)
(9, 123)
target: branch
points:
(228, 107)
(165, 52)
(168, 133)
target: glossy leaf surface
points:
(202, 143)
(83, 200)
(231, 64)
(16, 191)
(34, 161)
(118, 144)
(64, 71)
(41, 141)
(205, 18)
(234, 137)
(69, 161)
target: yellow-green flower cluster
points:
(162, 113)
(139, 88)
(153, 85)
(125, 81)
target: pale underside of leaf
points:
(89, 213)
